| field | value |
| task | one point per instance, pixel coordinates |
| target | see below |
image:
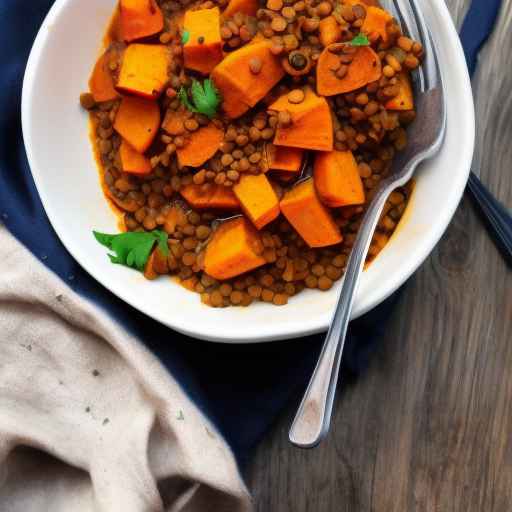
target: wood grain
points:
(428, 427)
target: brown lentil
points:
(267, 295)
(278, 24)
(255, 65)
(296, 96)
(275, 5)
(87, 101)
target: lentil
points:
(296, 96)
(255, 65)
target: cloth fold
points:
(77, 386)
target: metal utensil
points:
(426, 135)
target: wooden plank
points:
(428, 427)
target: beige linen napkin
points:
(89, 419)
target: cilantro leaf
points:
(103, 238)
(161, 239)
(360, 40)
(183, 97)
(133, 249)
(205, 97)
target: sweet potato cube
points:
(257, 199)
(197, 196)
(337, 179)
(330, 31)
(405, 99)
(209, 196)
(361, 2)
(223, 198)
(132, 161)
(101, 83)
(144, 70)
(298, 110)
(311, 126)
(240, 88)
(310, 218)
(137, 121)
(203, 144)
(286, 160)
(140, 18)
(234, 249)
(248, 7)
(376, 22)
(366, 67)
(203, 50)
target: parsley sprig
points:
(205, 98)
(360, 40)
(133, 249)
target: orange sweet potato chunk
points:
(144, 70)
(234, 249)
(240, 88)
(310, 218)
(365, 68)
(330, 31)
(137, 121)
(248, 7)
(203, 50)
(281, 158)
(132, 161)
(203, 144)
(257, 199)
(405, 98)
(140, 18)
(311, 126)
(101, 83)
(376, 21)
(298, 110)
(209, 196)
(361, 2)
(337, 179)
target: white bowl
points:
(55, 129)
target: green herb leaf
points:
(185, 37)
(133, 249)
(205, 97)
(360, 40)
(183, 97)
(103, 238)
(161, 238)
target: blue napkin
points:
(241, 388)
(477, 27)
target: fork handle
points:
(498, 219)
(313, 417)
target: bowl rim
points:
(268, 332)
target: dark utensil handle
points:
(499, 220)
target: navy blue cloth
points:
(241, 388)
(477, 27)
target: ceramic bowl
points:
(56, 133)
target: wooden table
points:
(429, 426)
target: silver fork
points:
(426, 135)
